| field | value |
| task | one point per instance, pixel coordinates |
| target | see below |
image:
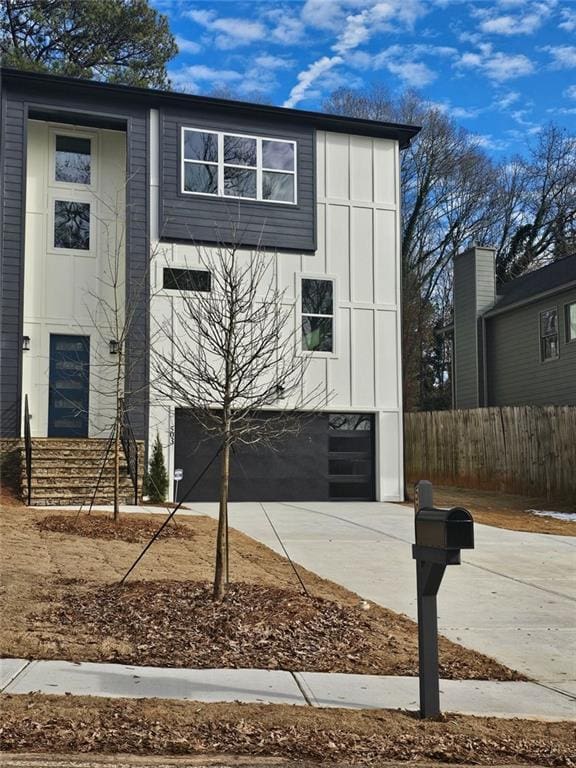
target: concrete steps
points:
(65, 472)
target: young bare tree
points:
(114, 308)
(235, 352)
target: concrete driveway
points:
(513, 598)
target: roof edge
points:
(338, 123)
(496, 310)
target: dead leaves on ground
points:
(100, 527)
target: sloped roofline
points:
(152, 98)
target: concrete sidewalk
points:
(258, 686)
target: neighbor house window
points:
(549, 334)
(71, 225)
(317, 315)
(571, 322)
(73, 159)
(186, 279)
(233, 165)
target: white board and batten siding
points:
(62, 287)
(358, 247)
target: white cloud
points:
(496, 65)
(568, 22)
(194, 78)
(230, 32)
(414, 73)
(487, 141)
(570, 92)
(308, 76)
(268, 61)
(287, 27)
(187, 46)
(526, 21)
(354, 22)
(507, 100)
(563, 56)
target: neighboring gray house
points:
(514, 344)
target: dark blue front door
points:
(69, 386)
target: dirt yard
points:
(59, 600)
(147, 727)
(505, 510)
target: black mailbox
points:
(444, 528)
(440, 535)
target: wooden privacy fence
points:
(524, 449)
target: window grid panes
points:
(317, 315)
(571, 322)
(549, 335)
(240, 166)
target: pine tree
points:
(156, 480)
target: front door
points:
(69, 386)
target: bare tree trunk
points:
(221, 537)
(116, 469)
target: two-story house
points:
(97, 177)
(515, 343)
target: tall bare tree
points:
(234, 353)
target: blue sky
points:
(502, 69)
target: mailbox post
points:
(440, 535)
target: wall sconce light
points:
(279, 391)
(113, 347)
(25, 343)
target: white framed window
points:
(238, 166)
(317, 315)
(570, 312)
(73, 159)
(549, 335)
(71, 223)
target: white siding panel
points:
(386, 360)
(389, 460)
(315, 382)
(316, 262)
(384, 171)
(59, 287)
(338, 247)
(337, 166)
(363, 358)
(385, 261)
(362, 260)
(361, 169)
(339, 372)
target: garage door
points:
(331, 457)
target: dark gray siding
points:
(207, 219)
(12, 262)
(516, 376)
(55, 103)
(465, 333)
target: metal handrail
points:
(28, 450)
(130, 447)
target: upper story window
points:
(317, 315)
(233, 165)
(570, 310)
(549, 334)
(186, 279)
(72, 160)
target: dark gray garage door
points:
(331, 457)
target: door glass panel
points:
(69, 386)
(72, 225)
(72, 160)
